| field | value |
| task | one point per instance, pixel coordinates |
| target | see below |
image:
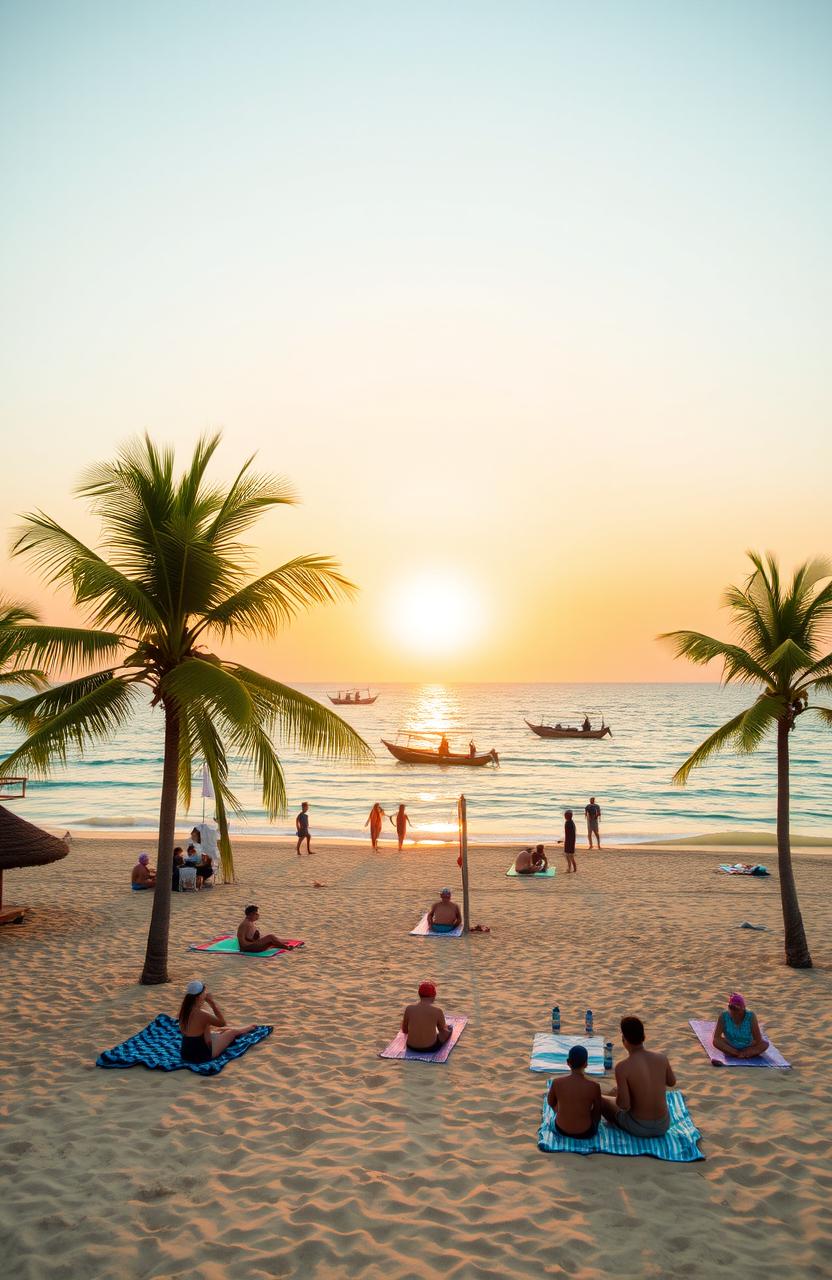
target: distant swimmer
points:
(444, 916)
(424, 1023)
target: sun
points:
(435, 612)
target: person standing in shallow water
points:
(401, 822)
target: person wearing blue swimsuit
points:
(737, 1032)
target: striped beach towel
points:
(704, 1032)
(398, 1048)
(679, 1144)
(549, 1053)
(422, 930)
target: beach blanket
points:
(227, 944)
(398, 1048)
(549, 1052)
(704, 1032)
(678, 1144)
(738, 870)
(548, 874)
(158, 1047)
(422, 930)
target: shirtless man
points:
(576, 1100)
(638, 1104)
(249, 937)
(530, 861)
(143, 876)
(444, 915)
(424, 1023)
(302, 828)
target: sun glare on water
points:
(435, 613)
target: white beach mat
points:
(549, 1052)
(422, 930)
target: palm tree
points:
(12, 616)
(781, 633)
(172, 575)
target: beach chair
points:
(187, 879)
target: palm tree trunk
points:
(156, 957)
(797, 948)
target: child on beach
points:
(424, 1023)
(737, 1031)
(576, 1100)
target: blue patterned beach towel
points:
(158, 1047)
(678, 1144)
(550, 1051)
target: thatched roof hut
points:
(22, 845)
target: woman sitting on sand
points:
(205, 1033)
(737, 1032)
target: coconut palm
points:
(782, 632)
(171, 576)
(12, 616)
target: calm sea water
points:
(654, 726)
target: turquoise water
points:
(654, 727)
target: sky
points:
(530, 301)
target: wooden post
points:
(463, 849)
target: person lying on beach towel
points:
(143, 876)
(205, 1032)
(575, 1100)
(638, 1104)
(530, 861)
(444, 916)
(424, 1023)
(737, 1032)
(249, 936)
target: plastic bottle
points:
(555, 1019)
(589, 1022)
(608, 1056)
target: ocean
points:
(654, 728)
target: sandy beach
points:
(310, 1156)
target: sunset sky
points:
(530, 301)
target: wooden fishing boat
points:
(570, 735)
(410, 754)
(352, 698)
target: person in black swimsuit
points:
(205, 1032)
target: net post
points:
(462, 811)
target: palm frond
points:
(93, 717)
(270, 602)
(67, 647)
(249, 496)
(300, 720)
(203, 682)
(28, 713)
(757, 720)
(825, 714)
(738, 664)
(719, 740)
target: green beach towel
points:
(548, 874)
(228, 945)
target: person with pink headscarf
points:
(143, 876)
(737, 1032)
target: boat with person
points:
(586, 733)
(352, 698)
(441, 754)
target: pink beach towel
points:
(704, 1031)
(398, 1048)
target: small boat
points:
(352, 698)
(409, 754)
(572, 735)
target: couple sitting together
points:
(531, 861)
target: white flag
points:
(207, 786)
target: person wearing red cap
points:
(424, 1023)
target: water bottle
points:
(588, 1022)
(555, 1019)
(608, 1056)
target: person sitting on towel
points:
(424, 1023)
(143, 876)
(205, 1032)
(178, 861)
(737, 1032)
(204, 870)
(250, 938)
(576, 1100)
(638, 1104)
(444, 915)
(531, 861)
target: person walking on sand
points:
(424, 1023)
(302, 828)
(569, 838)
(638, 1104)
(374, 821)
(249, 936)
(593, 817)
(401, 822)
(737, 1032)
(575, 1100)
(205, 1032)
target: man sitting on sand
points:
(531, 861)
(424, 1023)
(638, 1104)
(737, 1032)
(576, 1100)
(249, 936)
(444, 915)
(143, 876)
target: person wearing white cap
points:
(444, 915)
(205, 1032)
